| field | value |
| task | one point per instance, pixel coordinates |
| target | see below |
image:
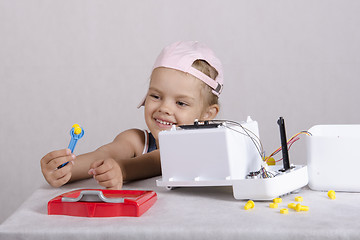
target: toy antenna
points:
(284, 147)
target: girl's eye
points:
(182, 104)
(154, 96)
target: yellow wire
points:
(278, 149)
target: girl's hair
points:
(211, 72)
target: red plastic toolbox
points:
(102, 203)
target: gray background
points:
(88, 62)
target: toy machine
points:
(228, 153)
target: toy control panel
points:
(281, 183)
(225, 153)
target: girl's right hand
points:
(107, 173)
(55, 176)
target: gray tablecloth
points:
(191, 213)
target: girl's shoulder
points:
(133, 138)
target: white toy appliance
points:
(223, 153)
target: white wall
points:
(88, 62)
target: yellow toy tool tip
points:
(77, 129)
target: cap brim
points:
(142, 103)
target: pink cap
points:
(181, 55)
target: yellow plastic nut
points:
(284, 211)
(273, 205)
(299, 199)
(292, 205)
(277, 200)
(300, 207)
(77, 130)
(249, 205)
(331, 194)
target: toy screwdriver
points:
(76, 133)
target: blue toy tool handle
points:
(73, 141)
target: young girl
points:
(185, 84)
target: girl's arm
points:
(112, 163)
(144, 166)
(120, 160)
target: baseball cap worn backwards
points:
(181, 55)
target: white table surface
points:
(191, 213)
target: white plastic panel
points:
(333, 157)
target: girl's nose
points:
(165, 107)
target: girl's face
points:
(174, 98)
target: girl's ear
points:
(210, 112)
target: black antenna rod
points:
(284, 147)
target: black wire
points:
(256, 141)
(257, 144)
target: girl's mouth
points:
(163, 122)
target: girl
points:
(185, 85)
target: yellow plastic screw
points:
(273, 205)
(299, 199)
(250, 204)
(331, 194)
(277, 200)
(284, 211)
(271, 161)
(300, 207)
